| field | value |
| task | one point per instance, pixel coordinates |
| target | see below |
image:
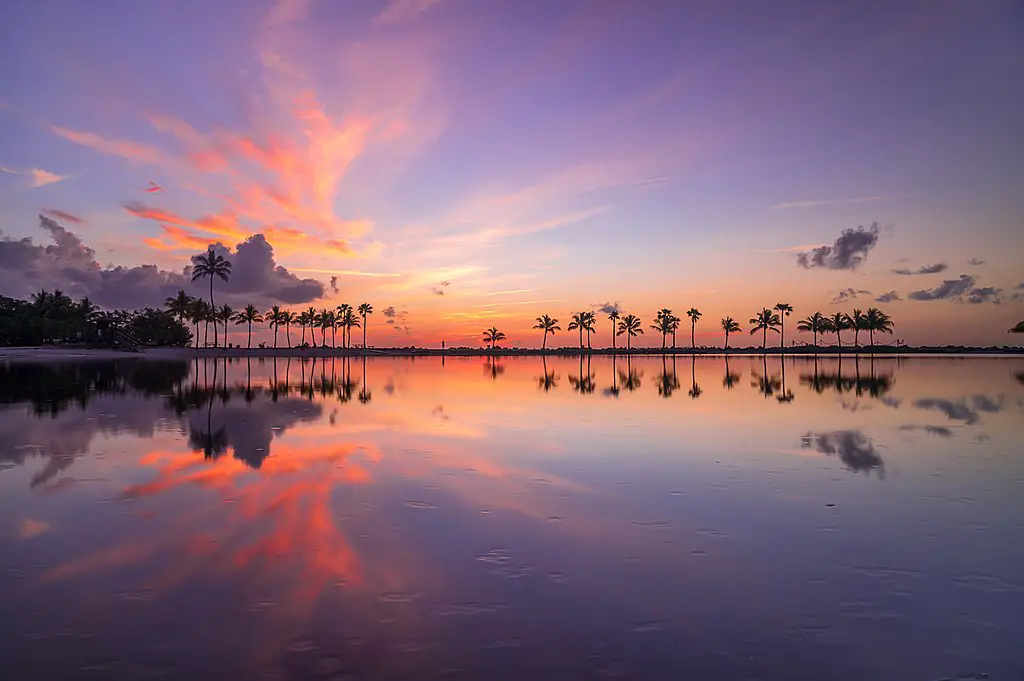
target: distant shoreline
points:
(73, 353)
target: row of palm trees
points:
(667, 324)
(195, 311)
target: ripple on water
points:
(399, 596)
(419, 504)
(986, 583)
(652, 524)
(498, 556)
(466, 609)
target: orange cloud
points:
(126, 149)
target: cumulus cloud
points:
(889, 297)
(975, 262)
(849, 294)
(389, 312)
(960, 290)
(608, 308)
(846, 253)
(926, 269)
(856, 451)
(71, 266)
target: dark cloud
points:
(389, 312)
(849, 294)
(71, 266)
(975, 262)
(608, 308)
(968, 411)
(961, 290)
(1020, 287)
(927, 269)
(948, 289)
(334, 284)
(439, 289)
(855, 450)
(889, 297)
(63, 215)
(846, 253)
(985, 294)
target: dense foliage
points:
(54, 318)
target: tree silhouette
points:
(549, 380)
(365, 310)
(225, 315)
(876, 320)
(492, 336)
(694, 315)
(815, 324)
(275, 317)
(613, 316)
(547, 325)
(339, 316)
(668, 380)
(765, 321)
(631, 326)
(1019, 328)
(839, 322)
(729, 325)
(858, 322)
(730, 379)
(584, 383)
(180, 306)
(348, 321)
(663, 324)
(211, 264)
(784, 309)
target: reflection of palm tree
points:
(364, 391)
(631, 380)
(631, 326)
(695, 390)
(668, 381)
(493, 368)
(729, 325)
(784, 396)
(613, 390)
(765, 321)
(584, 383)
(766, 384)
(547, 325)
(549, 380)
(785, 309)
(730, 379)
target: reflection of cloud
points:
(855, 450)
(30, 528)
(941, 431)
(960, 410)
(846, 253)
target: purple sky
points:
(528, 157)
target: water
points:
(513, 519)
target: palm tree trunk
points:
(764, 339)
(693, 342)
(871, 334)
(544, 343)
(276, 327)
(226, 344)
(727, 343)
(839, 338)
(288, 333)
(303, 341)
(782, 332)
(364, 332)
(249, 344)
(206, 333)
(613, 335)
(213, 307)
(588, 339)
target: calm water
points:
(513, 519)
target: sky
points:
(466, 163)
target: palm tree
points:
(275, 317)
(590, 318)
(212, 317)
(729, 325)
(663, 323)
(858, 323)
(224, 314)
(311, 316)
(179, 305)
(248, 315)
(815, 324)
(839, 322)
(196, 314)
(673, 327)
(785, 309)
(547, 325)
(340, 312)
(694, 314)
(288, 318)
(876, 320)
(614, 317)
(211, 265)
(347, 322)
(303, 320)
(365, 309)
(1019, 328)
(764, 321)
(578, 322)
(492, 336)
(631, 326)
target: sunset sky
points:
(463, 163)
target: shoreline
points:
(71, 353)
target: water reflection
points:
(389, 519)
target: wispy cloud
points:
(815, 203)
(63, 215)
(347, 273)
(509, 293)
(398, 11)
(40, 177)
